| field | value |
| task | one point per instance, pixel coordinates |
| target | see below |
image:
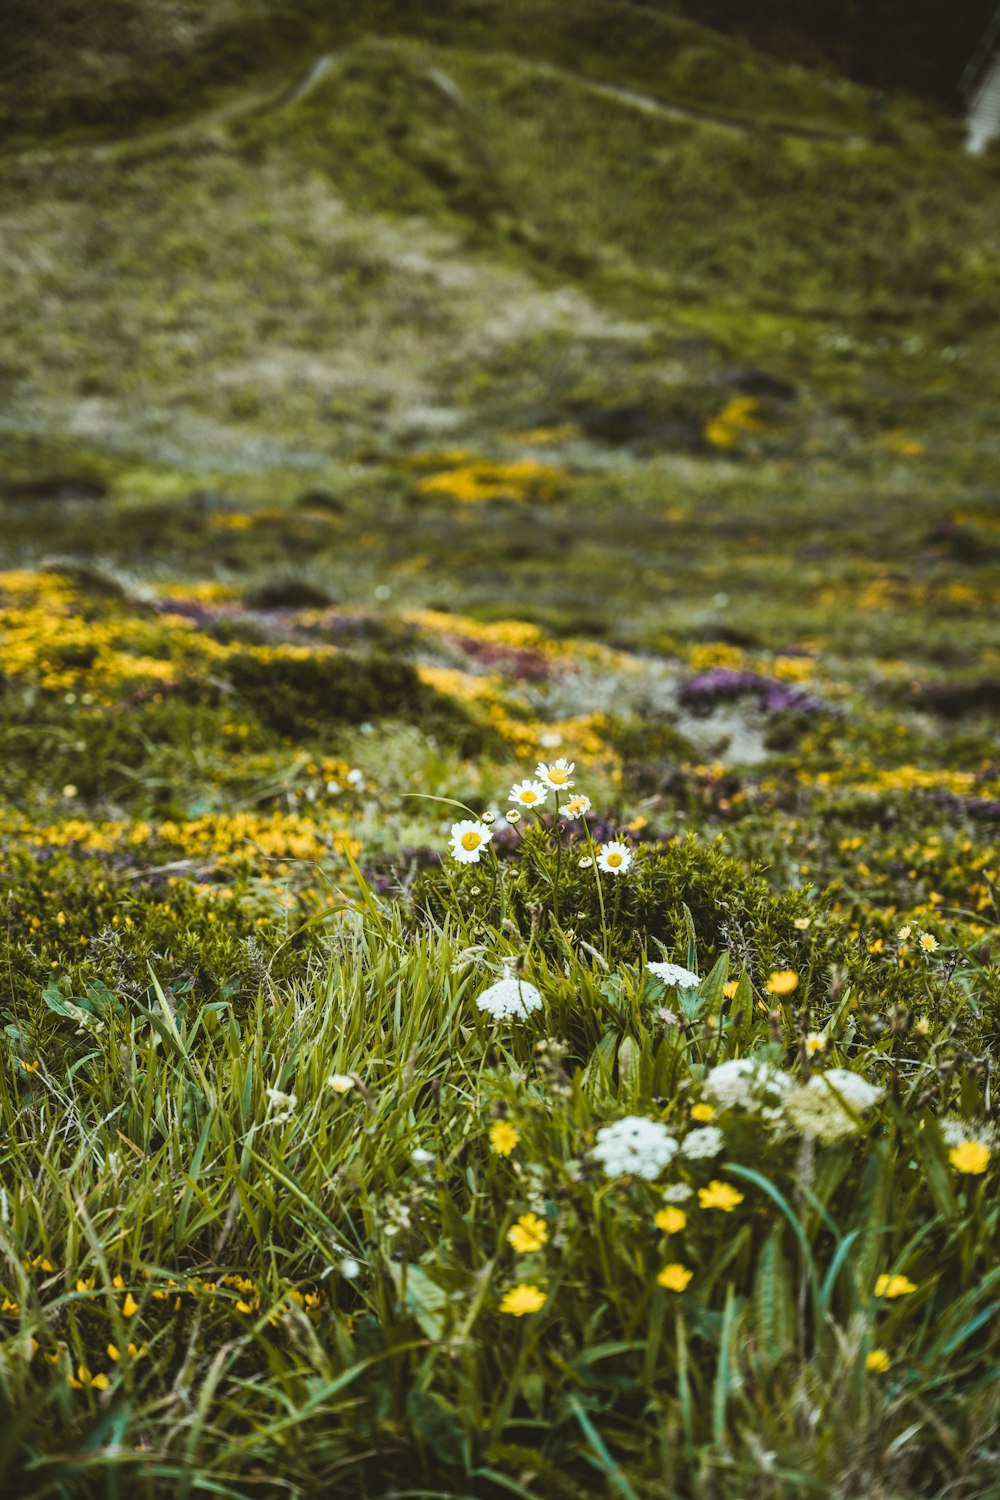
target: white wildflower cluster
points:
(470, 837)
(510, 999)
(751, 1083)
(281, 1106)
(955, 1130)
(702, 1145)
(674, 974)
(828, 1106)
(635, 1146)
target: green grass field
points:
(395, 403)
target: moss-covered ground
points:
(394, 398)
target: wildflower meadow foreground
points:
(499, 788)
(592, 1166)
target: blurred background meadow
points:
(393, 396)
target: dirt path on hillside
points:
(286, 95)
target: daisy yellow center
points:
(575, 804)
(557, 776)
(614, 859)
(528, 796)
(471, 840)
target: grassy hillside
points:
(393, 400)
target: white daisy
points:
(673, 974)
(635, 1145)
(614, 858)
(557, 774)
(468, 840)
(510, 999)
(340, 1082)
(528, 793)
(576, 807)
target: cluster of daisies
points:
(470, 837)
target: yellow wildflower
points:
(671, 1220)
(522, 1299)
(720, 1195)
(928, 942)
(782, 982)
(130, 1306)
(503, 1137)
(969, 1156)
(702, 1112)
(894, 1286)
(529, 1233)
(877, 1362)
(674, 1277)
(84, 1379)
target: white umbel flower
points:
(468, 840)
(702, 1145)
(557, 774)
(528, 793)
(635, 1146)
(827, 1106)
(747, 1083)
(614, 858)
(955, 1130)
(510, 999)
(673, 974)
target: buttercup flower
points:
(670, 1220)
(522, 1299)
(528, 793)
(782, 982)
(576, 807)
(635, 1145)
(468, 840)
(701, 1145)
(674, 974)
(528, 1234)
(702, 1113)
(970, 1156)
(877, 1362)
(614, 858)
(557, 774)
(510, 999)
(719, 1195)
(674, 1277)
(894, 1286)
(503, 1137)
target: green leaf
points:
(421, 1297)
